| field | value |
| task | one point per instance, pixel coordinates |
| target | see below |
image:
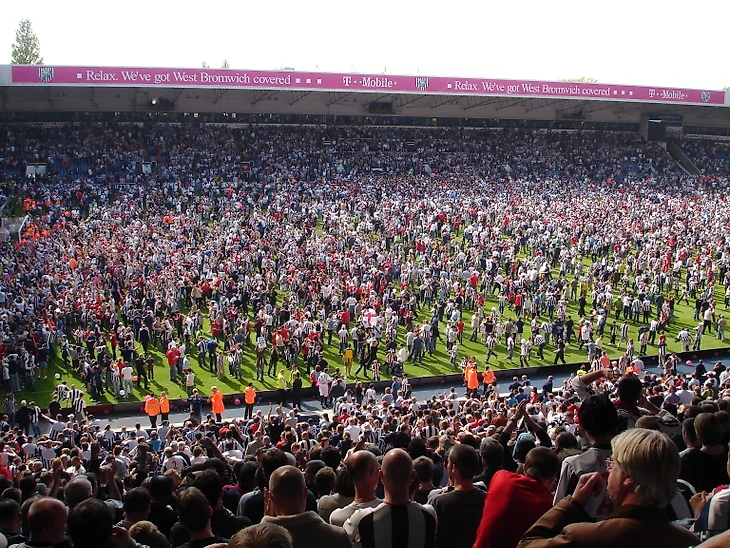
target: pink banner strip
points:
(314, 81)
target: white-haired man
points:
(642, 479)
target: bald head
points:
(397, 467)
(289, 490)
(361, 465)
(287, 481)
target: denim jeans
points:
(14, 382)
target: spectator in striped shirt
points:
(539, 341)
(398, 522)
(430, 429)
(491, 343)
(685, 338)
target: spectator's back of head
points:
(223, 468)
(161, 487)
(46, 520)
(193, 509)
(310, 472)
(397, 470)
(598, 416)
(689, 434)
(708, 428)
(465, 459)
(210, 483)
(566, 440)
(263, 535)
(325, 481)
(137, 502)
(331, 457)
(9, 514)
(78, 489)
(649, 423)
(360, 465)
(424, 469)
(27, 487)
(90, 524)
(289, 491)
(145, 533)
(492, 454)
(273, 459)
(12, 493)
(629, 389)
(542, 464)
(344, 486)
(417, 448)
(247, 475)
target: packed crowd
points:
(601, 460)
(711, 157)
(101, 151)
(105, 270)
(285, 240)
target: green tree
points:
(726, 88)
(226, 64)
(27, 47)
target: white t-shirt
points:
(29, 449)
(685, 396)
(354, 431)
(175, 462)
(130, 443)
(47, 453)
(341, 515)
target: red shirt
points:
(514, 503)
(172, 356)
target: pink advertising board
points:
(315, 81)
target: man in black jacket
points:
(296, 391)
(223, 523)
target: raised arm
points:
(538, 431)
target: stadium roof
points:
(114, 89)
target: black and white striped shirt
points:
(391, 526)
(429, 431)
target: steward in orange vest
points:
(164, 406)
(152, 408)
(216, 400)
(250, 398)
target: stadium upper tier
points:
(273, 153)
(51, 93)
